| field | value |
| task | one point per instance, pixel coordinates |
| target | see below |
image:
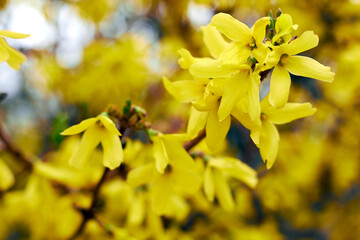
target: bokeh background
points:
(85, 54)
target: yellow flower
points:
(215, 179)
(12, 56)
(98, 129)
(283, 27)
(245, 40)
(267, 137)
(298, 65)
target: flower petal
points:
(109, 125)
(197, 121)
(216, 131)
(279, 86)
(16, 58)
(254, 100)
(269, 143)
(6, 33)
(160, 154)
(259, 29)
(209, 184)
(161, 192)
(306, 41)
(113, 152)
(308, 67)
(186, 180)
(235, 53)
(140, 175)
(237, 169)
(187, 59)
(184, 91)
(4, 54)
(222, 190)
(213, 40)
(78, 128)
(212, 69)
(289, 112)
(235, 88)
(232, 28)
(89, 141)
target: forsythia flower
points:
(267, 136)
(298, 65)
(98, 129)
(12, 56)
(229, 83)
(215, 179)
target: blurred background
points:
(85, 54)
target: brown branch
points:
(192, 143)
(13, 149)
(90, 212)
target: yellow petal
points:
(113, 152)
(4, 54)
(161, 193)
(187, 59)
(197, 121)
(216, 131)
(232, 28)
(254, 100)
(10, 34)
(222, 190)
(260, 53)
(184, 91)
(269, 143)
(306, 41)
(160, 154)
(259, 29)
(109, 125)
(6, 176)
(209, 184)
(308, 67)
(235, 88)
(244, 118)
(279, 86)
(178, 156)
(289, 112)
(136, 212)
(186, 179)
(16, 58)
(78, 128)
(237, 169)
(212, 69)
(235, 53)
(89, 141)
(283, 27)
(255, 135)
(140, 175)
(213, 40)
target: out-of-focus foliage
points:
(101, 52)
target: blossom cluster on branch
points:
(168, 174)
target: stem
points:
(192, 143)
(12, 148)
(90, 212)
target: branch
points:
(90, 212)
(192, 143)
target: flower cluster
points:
(228, 83)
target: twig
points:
(90, 212)
(192, 143)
